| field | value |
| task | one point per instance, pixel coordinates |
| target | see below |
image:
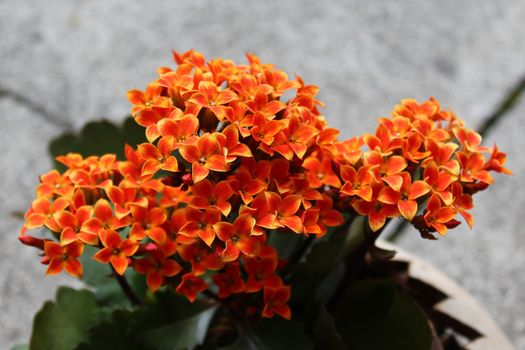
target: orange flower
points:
(116, 250)
(204, 155)
(229, 139)
(42, 211)
(71, 225)
(246, 86)
(149, 99)
(320, 172)
(441, 154)
(473, 168)
(294, 139)
(497, 161)
(463, 203)
(145, 220)
(212, 98)
(261, 269)
(275, 299)
(159, 157)
(376, 211)
(264, 130)
(469, 140)
(206, 194)
(239, 237)
(328, 216)
(64, 257)
(230, 281)
(191, 285)
(357, 183)
(437, 215)
(273, 212)
(200, 224)
(261, 106)
(246, 186)
(386, 168)
(53, 183)
(123, 199)
(201, 257)
(158, 265)
(103, 219)
(439, 182)
(181, 129)
(405, 197)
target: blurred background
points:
(63, 63)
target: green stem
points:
(355, 262)
(126, 288)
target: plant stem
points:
(297, 255)
(354, 263)
(126, 288)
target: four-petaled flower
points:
(116, 250)
(64, 257)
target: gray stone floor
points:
(65, 62)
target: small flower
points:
(191, 285)
(204, 155)
(116, 250)
(239, 237)
(64, 257)
(230, 281)
(275, 299)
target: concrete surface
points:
(73, 61)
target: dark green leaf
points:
(112, 334)
(273, 334)
(98, 138)
(326, 335)
(170, 321)
(322, 268)
(185, 334)
(64, 324)
(166, 321)
(377, 307)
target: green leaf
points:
(318, 277)
(273, 334)
(64, 324)
(170, 321)
(166, 321)
(326, 335)
(185, 334)
(377, 307)
(112, 334)
(98, 138)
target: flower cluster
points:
(229, 162)
(421, 160)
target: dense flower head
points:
(229, 162)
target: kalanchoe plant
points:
(248, 206)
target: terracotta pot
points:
(458, 304)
